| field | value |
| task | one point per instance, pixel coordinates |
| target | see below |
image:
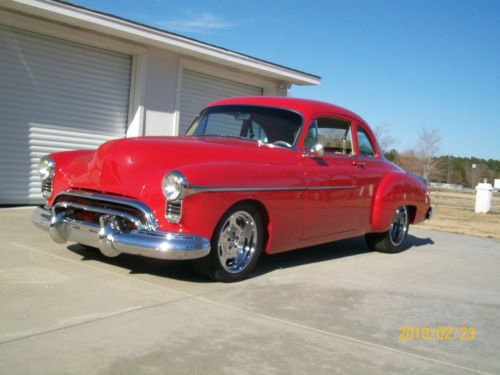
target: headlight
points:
(46, 168)
(174, 186)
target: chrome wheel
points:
(399, 226)
(237, 242)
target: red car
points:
(252, 175)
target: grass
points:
(454, 212)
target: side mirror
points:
(316, 151)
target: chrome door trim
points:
(196, 189)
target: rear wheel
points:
(235, 246)
(393, 240)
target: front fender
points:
(284, 208)
(67, 164)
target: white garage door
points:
(54, 96)
(200, 89)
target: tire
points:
(392, 241)
(236, 245)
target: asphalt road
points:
(336, 308)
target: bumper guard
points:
(111, 241)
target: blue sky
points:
(402, 64)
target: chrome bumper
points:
(428, 214)
(112, 242)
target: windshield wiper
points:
(228, 136)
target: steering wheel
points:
(282, 143)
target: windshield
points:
(269, 125)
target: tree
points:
(449, 168)
(392, 155)
(408, 160)
(384, 139)
(427, 147)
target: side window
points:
(335, 135)
(311, 136)
(364, 144)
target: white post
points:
(484, 192)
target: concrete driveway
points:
(336, 308)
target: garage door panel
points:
(45, 72)
(63, 119)
(62, 115)
(86, 90)
(199, 89)
(54, 96)
(22, 41)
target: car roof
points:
(304, 106)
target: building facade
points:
(73, 78)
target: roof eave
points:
(125, 29)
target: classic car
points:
(251, 175)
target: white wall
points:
(160, 92)
(163, 78)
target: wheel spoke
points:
(233, 222)
(223, 252)
(247, 231)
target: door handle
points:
(358, 163)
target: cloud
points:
(202, 23)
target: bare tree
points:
(408, 160)
(426, 150)
(385, 140)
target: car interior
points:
(333, 134)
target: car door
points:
(332, 199)
(370, 163)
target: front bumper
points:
(111, 241)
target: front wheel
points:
(393, 240)
(235, 246)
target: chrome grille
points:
(47, 187)
(89, 207)
(174, 211)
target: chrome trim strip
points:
(111, 242)
(332, 187)
(194, 189)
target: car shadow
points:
(183, 270)
(413, 241)
(327, 252)
(179, 270)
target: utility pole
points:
(474, 166)
(450, 169)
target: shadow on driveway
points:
(182, 270)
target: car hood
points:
(134, 167)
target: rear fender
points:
(395, 190)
